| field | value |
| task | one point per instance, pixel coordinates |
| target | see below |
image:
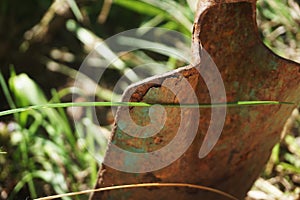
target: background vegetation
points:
(43, 43)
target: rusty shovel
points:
(224, 148)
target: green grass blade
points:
(6, 92)
(289, 167)
(75, 10)
(175, 11)
(162, 49)
(170, 10)
(94, 42)
(139, 7)
(101, 92)
(155, 21)
(141, 104)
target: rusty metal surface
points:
(250, 72)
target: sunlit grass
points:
(44, 143)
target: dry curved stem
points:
(130, 186)
(105, 11)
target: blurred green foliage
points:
(45, 39)
(41, 146)
(279, 22)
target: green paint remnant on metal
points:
(244, 112)
(252, 94)
(236, 84)
(273, 65)
(122, 124)
(253, 116)
(221, 147)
